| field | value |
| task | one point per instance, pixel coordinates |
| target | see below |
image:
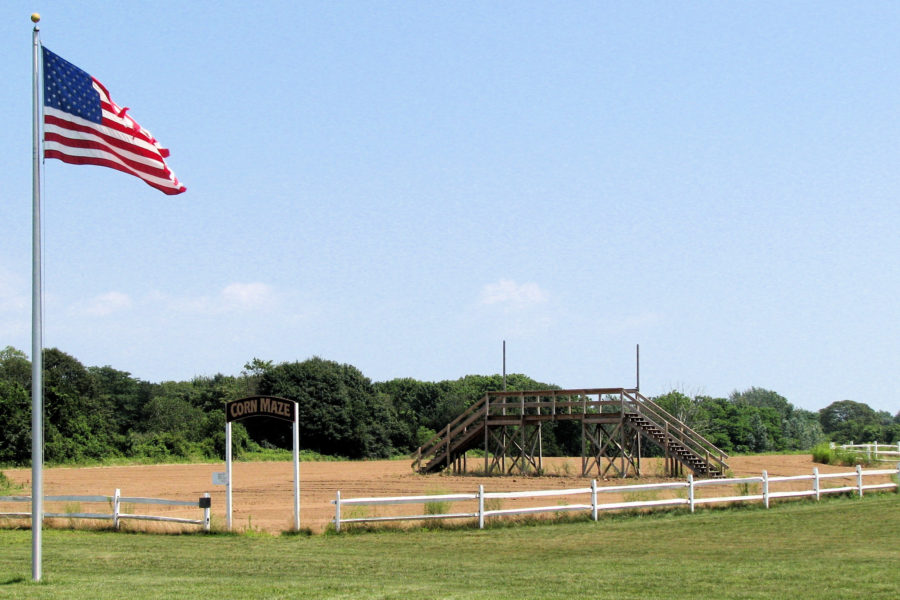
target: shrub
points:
(437, 507)
(7, 486)
(826, 455)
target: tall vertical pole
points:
(637, 364)
(296, 467)
(504, 365)
(37, 362)
(228, 475)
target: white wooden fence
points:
(874, 451)
(690, 486)
(115, 502)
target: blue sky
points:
(403, 185)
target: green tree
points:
(338, 409)
(77, 424)
(15, 416)
(802, 430)
(15, 367)
(762, 398)
(123, 398)
(845, 421)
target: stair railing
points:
(443, 441)
(663, 419)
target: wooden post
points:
(594, 499)
(638, 435)
(540, 448)
(522, 438)
(765, 483)
(668, 460)
(448, 445)
(859, 479)
(487, 414)
(624, 442)
(584, 445)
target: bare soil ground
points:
(263, 491)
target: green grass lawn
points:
(836, 548)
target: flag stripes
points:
(82, 125)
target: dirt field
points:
(263, 492)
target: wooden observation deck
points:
(614, 422)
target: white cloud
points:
(234, 297)
(13, 293)
(105, 304)
(509, 293)
(247, 296)
(513, 309)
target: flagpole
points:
(37, 367)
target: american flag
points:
(83, 126)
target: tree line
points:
(101, 413)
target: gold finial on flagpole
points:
(35, 17)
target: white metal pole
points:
(296, 467)
(228, 475)
(37, 366)
(816, 483)
(116, 509)
(206, 514)
(337, 512)
(481, 507)
(690, 480)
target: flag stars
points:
(68, 88)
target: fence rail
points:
(688, 487)
(116, 501)
(874, 451)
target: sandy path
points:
(263, 492)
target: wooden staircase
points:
(460, 435)
(669, 441)
(627, 407)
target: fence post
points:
(816, 481)
(337, 512)
(448, 445)
(765, 486)
(116, 509)
(594, 499)
(691, 490)
(480, 507)
(859, 479)
(206, 509)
